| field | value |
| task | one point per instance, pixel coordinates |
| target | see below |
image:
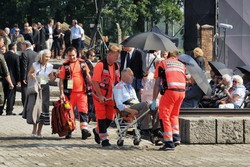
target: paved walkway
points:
(17, 148)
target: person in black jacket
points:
(4, 73)
(36, 37)
(67, 40)
(12, 60)
(28, 57)
(41, 44)
(57, 37)
(135, 60)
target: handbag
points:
(33, 86)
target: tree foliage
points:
(130, 14)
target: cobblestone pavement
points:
(18, 148)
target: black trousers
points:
(56, 46)
(9, 97)
(24, 92)
(77, 44)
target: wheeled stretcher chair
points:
(123, 123)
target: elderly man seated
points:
(127, 102)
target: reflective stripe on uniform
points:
(174, 63)
(175, 129)
(103, 136)
(83, 125)
(168, 136)
(175, 69)
(176, 84)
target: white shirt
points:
(50, 31)
(130, 55)
(241, 91)
(76, 32)
(123, 92)
(42, 73)
(149, 58)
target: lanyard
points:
(72, 70)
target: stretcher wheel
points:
(120, 143)
(136, 142)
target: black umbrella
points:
(150, 41)
(220, 68)
(196, 72)
(157, 30)
(244, 69)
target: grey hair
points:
(126, 70)
(226, 77)
(238, 79)
(41, 54)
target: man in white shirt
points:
(76, 33)
(127, 102)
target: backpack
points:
(62, 120)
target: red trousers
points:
(80, 100)
(105, 113)
(104, 110)
(169, 109)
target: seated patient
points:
(127, 102)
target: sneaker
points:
(168, 146)
(177, 143)
(69, 136)
(85, 134)
(97, 138)
(105, 143)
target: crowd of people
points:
(127, 79)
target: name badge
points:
(42, 81)
(70, 84)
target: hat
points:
(198, 52)
(27, 43)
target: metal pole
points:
(216, 42)
(225, 59)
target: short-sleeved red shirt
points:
(76, 74)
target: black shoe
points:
(85, 134)
(1, 113)
(146, 135)
(20, 113)
(11, 114)
(97, 138)
(105, 143)
(168, 146)
(69, 136)
(158, 133)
